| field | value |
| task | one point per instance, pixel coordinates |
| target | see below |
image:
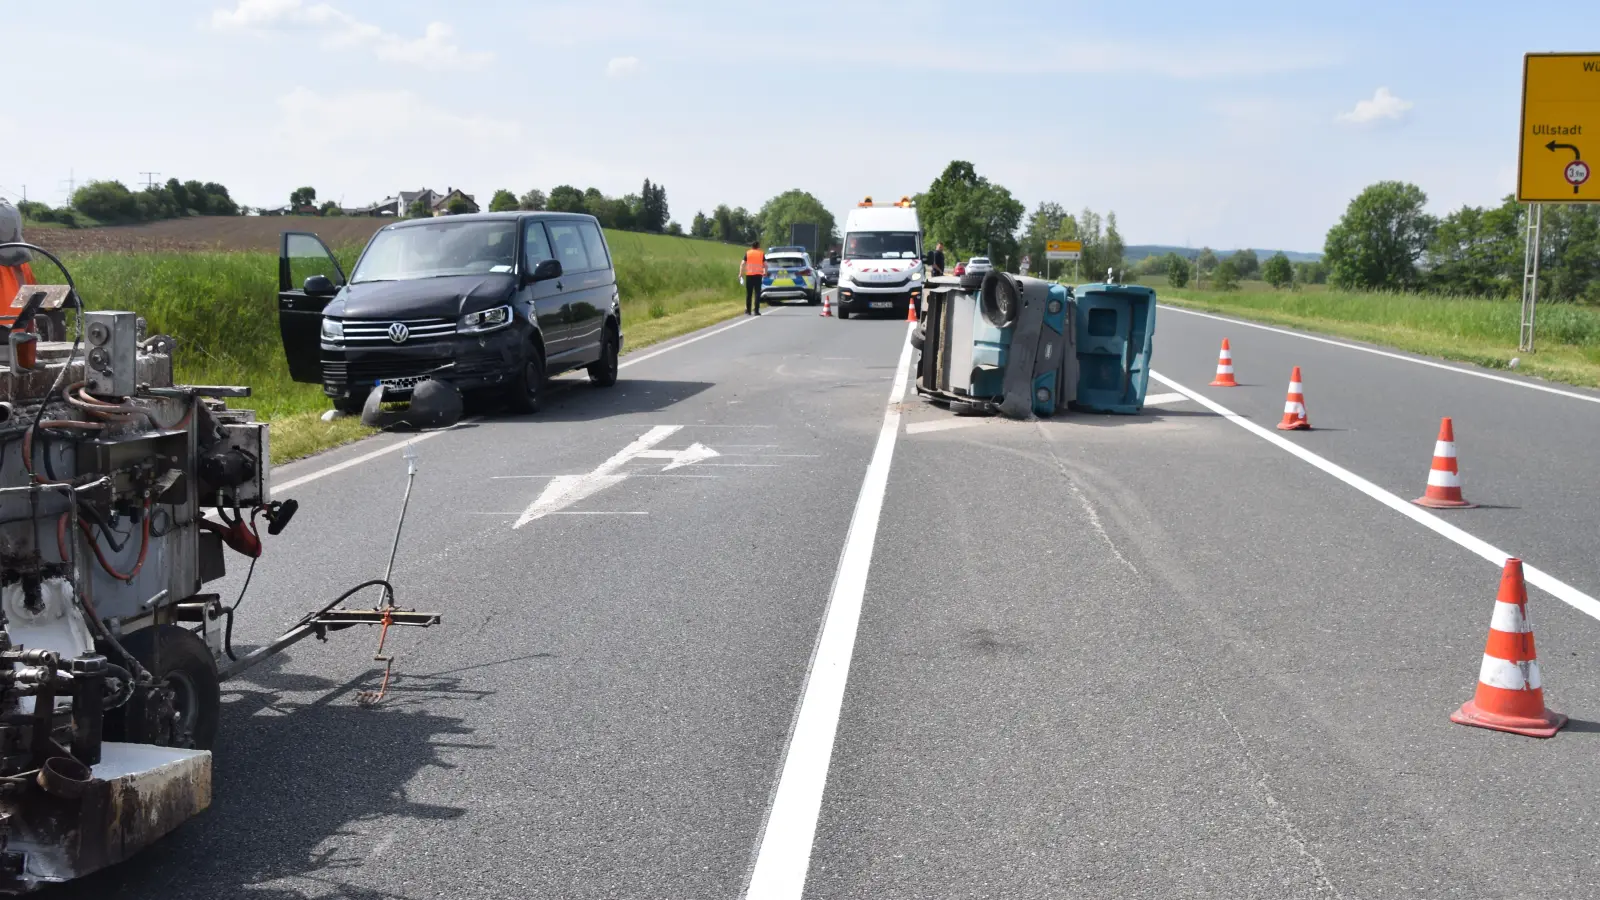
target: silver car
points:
(978, 266)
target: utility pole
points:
(149, 179)
(72, 185)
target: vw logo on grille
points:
(398, 332)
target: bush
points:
(1177, 270)
(109, 201)
(1226, 278)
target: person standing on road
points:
(938, 259)
(755, 268)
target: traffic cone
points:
(1510, 694)
(1225, 368)
(1444, 479)
(827, 306)
(911, 310)
(1294, 406)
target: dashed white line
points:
(1591, 398)
(784, 856)
(1543, 580)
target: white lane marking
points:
(630, 475)
(943, 425)
(1400, 356)
(309, 477)
(785, 853)
(565, 490)
(1158, 399)
(695, 453)
(581, 512)
(630, 359)
(627, 361)
(1543, 580)
(743, 465)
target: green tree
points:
(1207, 261)
(1277, 272)
(651, 214)
(1569, 253)
(418, 209)
(502, 201)
(1477, 252)
(1226, 278)
(303, 196)
(1246, 263)
(700, 227)
(1049, 222)
(329, 208)
(1377, 243)
(534, 200)
(566, 198)
(457, 205)
(674, 229)
(722, 224)
(791, 207)
(108, 201)
(1177, 270)
(970, 215)
(1315, 272)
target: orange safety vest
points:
(12, 278)
(755, 262)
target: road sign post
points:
(1560, 123)
(1062, 250)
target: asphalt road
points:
(1100, 657)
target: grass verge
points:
(1472, 330)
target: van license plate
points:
(882, 304)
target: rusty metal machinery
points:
(111, 649)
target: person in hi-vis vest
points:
(755, 269)
(14, 269)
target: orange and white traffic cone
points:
(1510, 694)
(1294, 406)
(1444, 479)
(911, 310)
(1225, 368)
(827, 306)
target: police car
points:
(790, 276)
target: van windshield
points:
(437, 249)
(881, 245)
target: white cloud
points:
(622, 67)
(1383, 106)
(437, 48)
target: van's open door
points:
(301, 257)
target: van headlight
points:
(917, 275)
(486, 320)
(332, 330)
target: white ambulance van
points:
(880, 270)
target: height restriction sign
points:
(1560, 142)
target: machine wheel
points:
(603, 372)
(182, 662)
(527, 386)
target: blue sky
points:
(1220, 124)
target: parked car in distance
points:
(978, 265)
(790, 276)
(960, 269)
(493, 303)
(828, 271)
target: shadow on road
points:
(302, 788)
(574, 399)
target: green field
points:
(222, 308)
(1469, 329)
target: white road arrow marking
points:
(694, 454)
(565, 490)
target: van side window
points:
(536, 245)
(595, 244)
(567, 242)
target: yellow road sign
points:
(1560, 143)
(1063, 249)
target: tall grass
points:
(222, 307)
(1464, 328)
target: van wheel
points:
(843, 313)
(527, 387)
(603, 371)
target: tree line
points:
(112, 203)
(1387, 241)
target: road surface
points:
(1103, 657)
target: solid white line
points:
(944, 425)
(630, 359)
(627, 361)
(1158, 399)
(785, 854)
(358, 460)
(1400, 356)
(1549, 583)
(574, 512)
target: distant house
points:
(389, 206)
(407, 199)
(442, 204)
